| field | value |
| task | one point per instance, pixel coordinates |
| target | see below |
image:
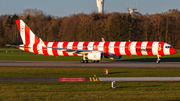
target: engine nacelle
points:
(113, 57)
(95, 55)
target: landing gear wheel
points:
(85, 61)
(82, 61)
(158, 61)
(93, 61)
(97, 61)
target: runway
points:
(94, 79)
(101, 64)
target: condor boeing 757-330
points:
(94, 51)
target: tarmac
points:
(101, 64)
(90, 79)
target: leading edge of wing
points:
(75, 50)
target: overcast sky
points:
(61, 8)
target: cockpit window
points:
(168, 46)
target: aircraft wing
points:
(75, 50)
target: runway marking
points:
(90, 79)
(80, 79)
(99, 79)
(72, 79)
(94, 79)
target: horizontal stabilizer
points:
(8, 45)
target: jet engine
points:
(95, 55)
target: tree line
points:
(164, 27)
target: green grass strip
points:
(89, 91)
(50, 72)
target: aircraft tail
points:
(27, 36)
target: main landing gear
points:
(86, 61)
(95, 61)
(158, 59)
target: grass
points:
(53, 72)
(91, 91)
(19, 55)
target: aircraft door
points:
(160, 48)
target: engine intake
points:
(95, 55)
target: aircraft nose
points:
(173, 51)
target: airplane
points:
(94, 51)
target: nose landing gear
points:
(158, 60)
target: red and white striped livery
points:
(94, 51)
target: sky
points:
(61, 8)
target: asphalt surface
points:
(28, 79)
(101, 64)
(139, 78)
(90, 79)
